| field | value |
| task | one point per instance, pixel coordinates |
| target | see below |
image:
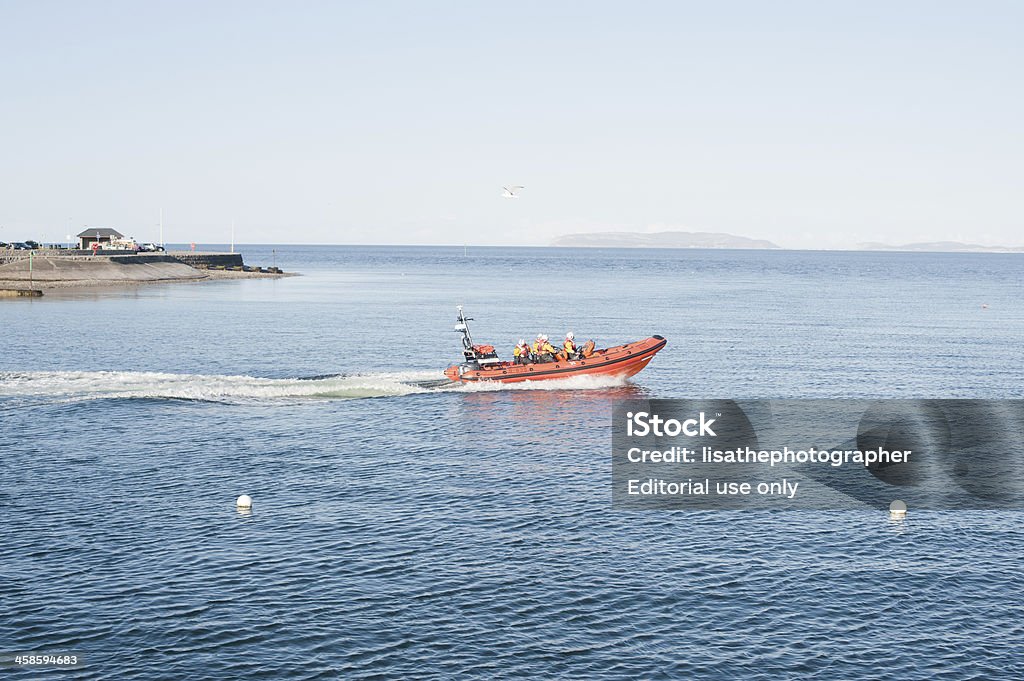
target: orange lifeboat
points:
(482, 363)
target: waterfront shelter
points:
(102, 235)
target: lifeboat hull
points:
(619, 361)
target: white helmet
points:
(522, 341)
(544, 336)
(540, 336)
(569, 336)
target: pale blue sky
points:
(814, 124)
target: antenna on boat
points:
(462, 327)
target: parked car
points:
(32, 244)
(151, 248)
(21, 246)
(125, 243)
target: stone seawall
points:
(19, 293)
(203, 260)
(66, 269)
(98, 268)
(200, 260)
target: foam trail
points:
(90, 385)
(570, 383)
(77, 386)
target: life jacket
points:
(517, 350)
(588, 348)
(569, 347)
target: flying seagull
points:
(511, 192)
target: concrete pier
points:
(62, 268)
(98, 268)
(193, 258)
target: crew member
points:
(568, 347)
(521, 353)
(544, 350)
(525, 351)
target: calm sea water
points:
(399, 531)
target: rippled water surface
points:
(404, 530)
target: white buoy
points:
(244, 501)
(897, 510)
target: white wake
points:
(75, 386)
(570, 383)
(85, 385)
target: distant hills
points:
(661, 240)
(721, 240)
(940, 247)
